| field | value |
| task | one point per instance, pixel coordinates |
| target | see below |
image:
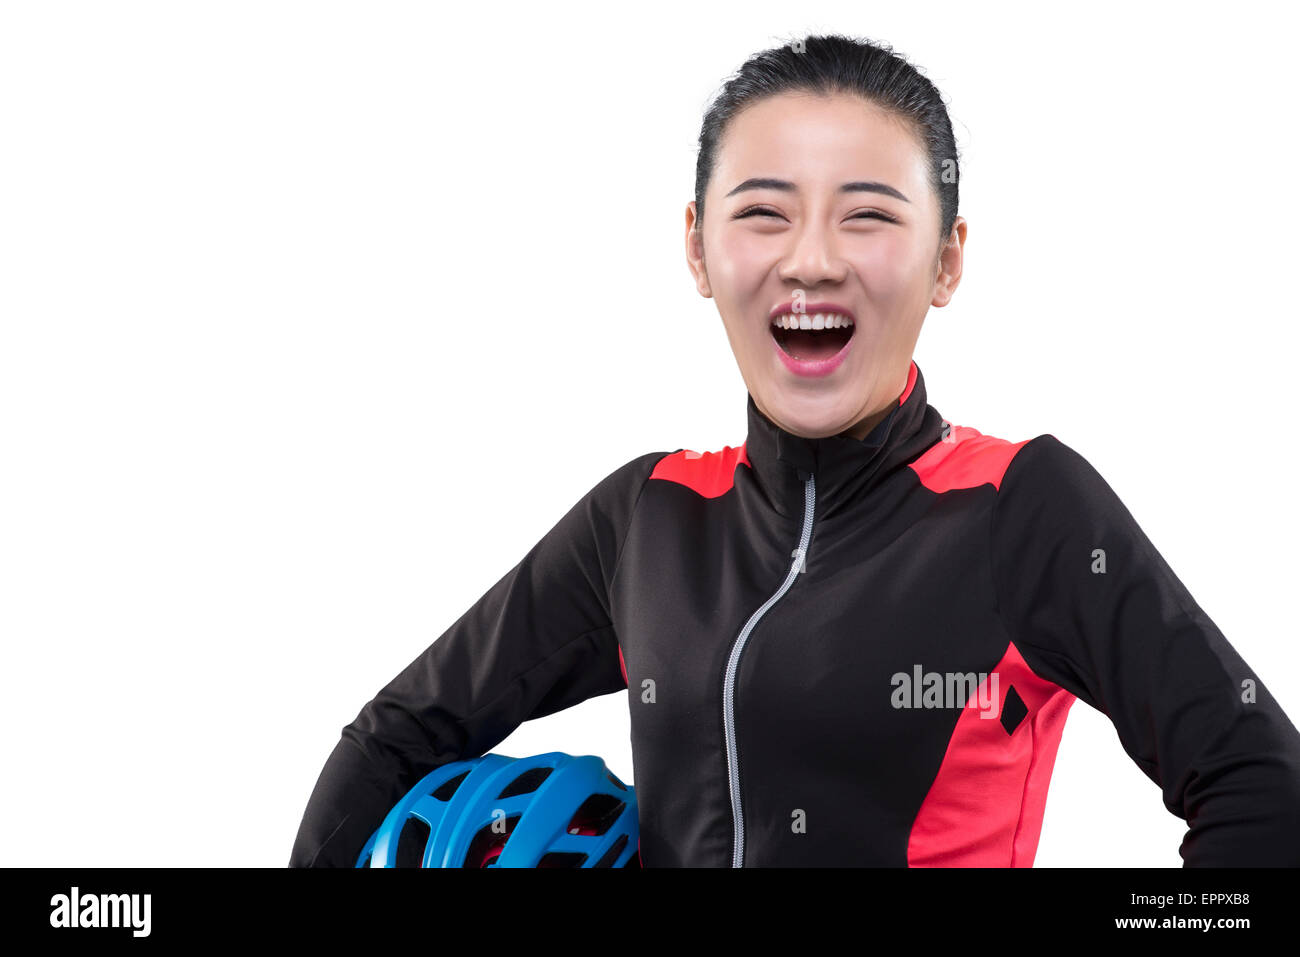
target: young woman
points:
(854, 638)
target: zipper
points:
(729, 683)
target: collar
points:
(843, 468)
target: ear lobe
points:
(702, 281)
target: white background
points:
(257, 454)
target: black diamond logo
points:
(1013, 710)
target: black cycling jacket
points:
(843, 652)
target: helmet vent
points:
(487, 844)
(448, 787)
(609, 857)
(529, 781)
(615, 781)
(562, 859)
(596, 815)
(411, 843)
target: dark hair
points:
(838, 64)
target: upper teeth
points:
(820, 320)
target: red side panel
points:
(985, 805)
(709, 473)
(964, 459)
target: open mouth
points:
(811, 337)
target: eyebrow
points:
(864, 186)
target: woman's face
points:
(781, 232)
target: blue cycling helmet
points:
(549, 810)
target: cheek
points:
(893, 271)
(742, 258)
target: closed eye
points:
(874, 214)
(865, 214)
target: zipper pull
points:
(802, 557)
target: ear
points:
(948, 267)
(695, 252)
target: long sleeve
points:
(1093, 607)
(538, 641)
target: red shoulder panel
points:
(709, 473)
(964, 459)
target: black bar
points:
(242, 906)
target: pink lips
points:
(811, 367)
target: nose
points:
(812, 258)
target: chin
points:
(815, 414)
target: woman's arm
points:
(1093, 607)
(537, 641)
